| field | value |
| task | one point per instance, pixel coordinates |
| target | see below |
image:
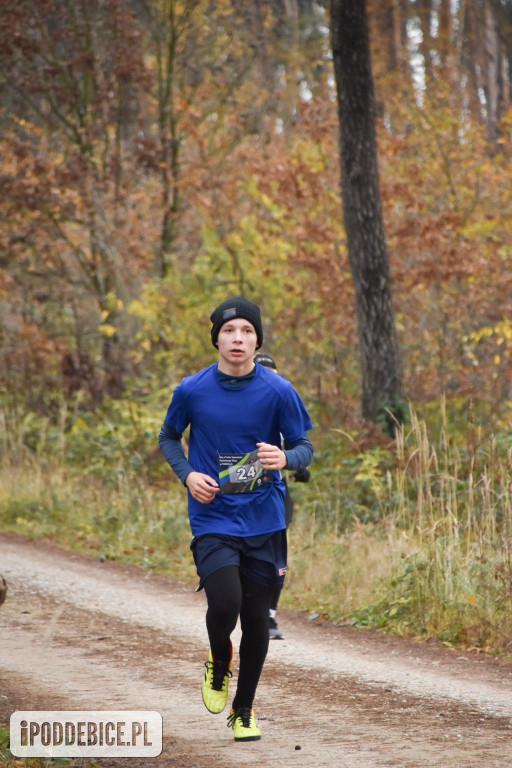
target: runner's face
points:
(237, 342)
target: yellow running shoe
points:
(244, 725)
(215, 683)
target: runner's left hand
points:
(271, 456)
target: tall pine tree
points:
(379, 351)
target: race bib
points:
(239, 473)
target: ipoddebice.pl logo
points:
(86, 734)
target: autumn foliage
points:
(159, 156)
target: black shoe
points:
(273, 630)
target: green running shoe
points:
(244, 725)
(215, 683)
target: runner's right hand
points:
(202, 487)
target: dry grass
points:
(437, 558)
(417, 541)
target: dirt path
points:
(77, 633)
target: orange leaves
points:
(6, 283)
(169, 144)
(445, 208)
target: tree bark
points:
(425, 13)
(378, 344)
(493, 72)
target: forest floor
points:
(78, 633)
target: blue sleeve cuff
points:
(299, 454)
(171, 446)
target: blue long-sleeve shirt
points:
(228, 416)
(298, 454)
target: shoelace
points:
(244, 715)
(219, 672)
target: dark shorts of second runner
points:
(260, 558)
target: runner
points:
(302, 475)
(237, 412)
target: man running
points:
(238, 413)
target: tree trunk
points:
(493, 71)
(378, 344)
(425, 15)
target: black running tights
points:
(229, 595)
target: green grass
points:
(131, 522)
(428, 552)
(9, 761)
(412, 537)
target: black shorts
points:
(260, 558)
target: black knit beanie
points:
(263, 358)
(236, 307)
